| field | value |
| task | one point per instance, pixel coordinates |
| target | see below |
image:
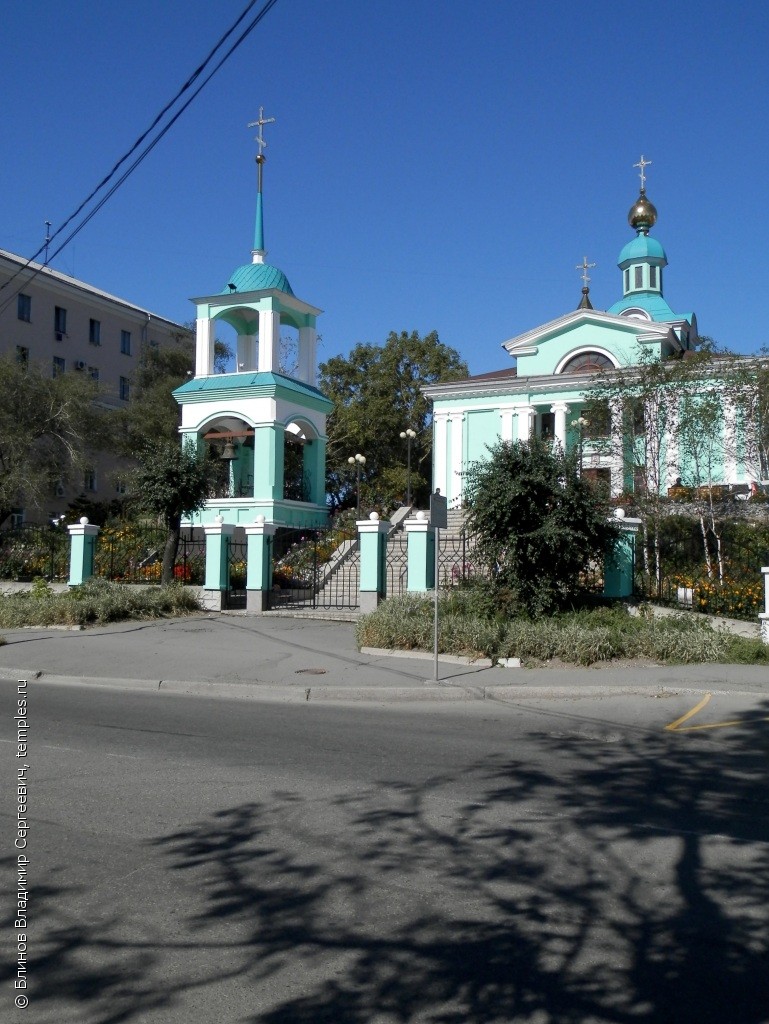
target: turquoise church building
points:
(267, 423)
(545, 393)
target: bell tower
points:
(266, 422)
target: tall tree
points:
(48, 426)
(377, 393)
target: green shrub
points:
(94, 603)
(583, 637)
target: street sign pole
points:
(438, 521)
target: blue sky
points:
(434, 165)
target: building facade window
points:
(24, 308)
(93, 372)
(627, 281)
(547, 426)
(639, 277)
(588, 362)
(652, 277)
(125, 389)
(60, 322)
(59, 366)
(22, 355)
(125, 342)
(94, 332)
(89, 479)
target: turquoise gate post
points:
(259, 564)
(420, 573)
(81, 551)
(763, 617)
(217, 581)
(620, 563)
(373, 571)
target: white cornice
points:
(523, 343)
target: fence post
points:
(420, 574)
(620, 562)
(259, 564)
(217, 581)
(373, 575)
(82, 547)
(763, 617)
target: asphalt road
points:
(198, 860)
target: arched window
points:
(588, 362)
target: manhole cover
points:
(310, 672)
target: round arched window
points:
(588, 362)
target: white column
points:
(525, 421)
(455, 481)
(560, 409)
(763, 617)
(204, 347)
(269, 341)
(506, 425)
(307, 345)
(246, 353)
(616, 449)
(440, 453)
(672, 469)
(730, 441)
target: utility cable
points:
(140, 140)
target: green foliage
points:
(153, 413)
(377, 393)
(585, 637)
(95, 603)
(538, 524)
(172, 482)
(46, 426)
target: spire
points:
(584, 266)
(258, 252)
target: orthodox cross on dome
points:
(584, 266)
(260, 137)
(643, 164)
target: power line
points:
(266, 8)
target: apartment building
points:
(69, 326)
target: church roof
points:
(254, 277)
(640, 248)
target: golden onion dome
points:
(642, 214)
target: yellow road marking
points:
(676, 726)
(722, 725)
(689, 714)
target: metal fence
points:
(30, 551)
(315, 568)
(718, 573)
(134, 554)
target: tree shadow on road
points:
(631, 892)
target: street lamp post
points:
(359, 461)
(408, 435)
(580, 423)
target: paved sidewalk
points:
(293, 659)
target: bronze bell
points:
(229, 452)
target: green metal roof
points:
(255, 277)
(226, 385)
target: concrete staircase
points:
(345, 579)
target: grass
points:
(94, 603)
(471, 626)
